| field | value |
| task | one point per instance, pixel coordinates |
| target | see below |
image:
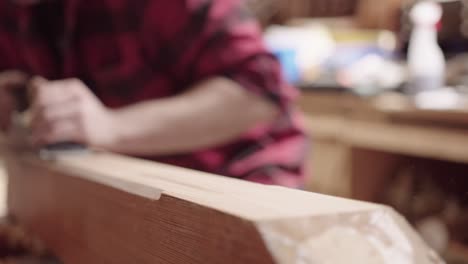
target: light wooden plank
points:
(198, 218)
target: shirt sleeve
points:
(228, 42)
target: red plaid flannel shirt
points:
(127, 51)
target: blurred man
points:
(184, 82)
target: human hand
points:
(67, 111)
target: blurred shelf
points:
(360, 123)
(358, 142)
(390, 108)
(444, 144)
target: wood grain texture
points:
(86, 222)
(198, 217)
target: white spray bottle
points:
(426, 62)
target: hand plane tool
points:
(21, 130)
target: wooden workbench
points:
(348, 132)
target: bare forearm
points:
(211, 113)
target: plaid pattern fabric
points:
(127, 51)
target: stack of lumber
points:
(102, 208)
